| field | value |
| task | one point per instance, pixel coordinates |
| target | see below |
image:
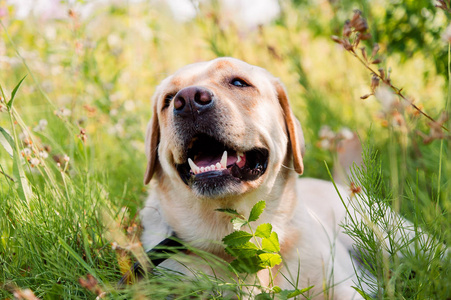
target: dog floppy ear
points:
(152, 140)
(294, 128)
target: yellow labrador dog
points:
(223, 136)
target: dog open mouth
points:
(210, 162)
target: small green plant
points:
(256, 250)
(251, 257)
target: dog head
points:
(222, 128)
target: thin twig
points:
(7, 176)
(396, 90)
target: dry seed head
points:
(363, 49)
(376, 61)
(365, 36)
(82, 135)
(442, 4)
(355, 189)
(375, 49)
(374, 82)
(356, 16)
(382, 73)
(361, 25)
(347, 45)
(347, 29)
(365, 96)
(357, 40)
(336, 39)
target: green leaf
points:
(238, 223)
(229, 211)
(271, 244)
(246, 250)
(7, 141)
(270, 260)
(13, 93)
(362, 293)
(286, 294)
(248, 265)
(263, 296)
(237, 238)
(276, 289)
(24, 189)
(263, 230)
(257, 211)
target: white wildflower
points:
(116, 96)
(63, 112)
(346, 133)
(34, 162)
(42, 125)
(43, 154)
(386, 97)
(23, 135)
(114, 245)
(325, 144)
(446, 36)
(26, 152)
(129, 105)
(326, 133)
(113, 112)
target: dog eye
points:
(239, 82)
(167, 100)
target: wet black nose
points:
(193, 100)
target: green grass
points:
(57, 222)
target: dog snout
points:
(192, 101)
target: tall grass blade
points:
(4, 140)
(77, 257)
(13, 93)
(24, 189)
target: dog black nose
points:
(192, 99)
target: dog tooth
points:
(238, 156)
(224, 160)
(218, 166)
(202, 169)
(192, 165)
(207, 169)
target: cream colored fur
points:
(305, 213)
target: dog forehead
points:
(208, 71)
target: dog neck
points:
(184, 212)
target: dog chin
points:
(214, 185)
